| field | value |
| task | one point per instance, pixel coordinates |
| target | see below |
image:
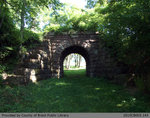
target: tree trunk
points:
(22, 28)
(69, 58)
(79, 64)
(22, 20)
(66, 63)
(76, 59)
(1, 14)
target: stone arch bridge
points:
(46, 60)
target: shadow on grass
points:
(73, 93)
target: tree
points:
(125, 26)
(67, 61)
(79, 60)
(123, 32)
(72, 19)
(17, 18)
(22, 19)
(24, 12)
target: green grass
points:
(73, 93)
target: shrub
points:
(140, 83)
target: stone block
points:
(16, 80)
(19, 71)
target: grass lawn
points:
(73, 93)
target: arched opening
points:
(77, 50)
(74, 61)
(74, 65)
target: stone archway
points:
(85, 44)
(75, 49)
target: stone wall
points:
(46, 60)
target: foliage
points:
(71, 20)
(93, 3)
(143, 83)
(10, 41)
(31, 9)
(121, 30)
(31, 39)
(12, 22)
(140, 83)
(9, 37)
(14, 37)
(2, 68)
(125, 26)
(1, 81)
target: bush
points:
(30, 39)
(143, 83)
(140, 83)
(10, 42)
(1, 79)
(2, 68)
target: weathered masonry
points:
(46, 60)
